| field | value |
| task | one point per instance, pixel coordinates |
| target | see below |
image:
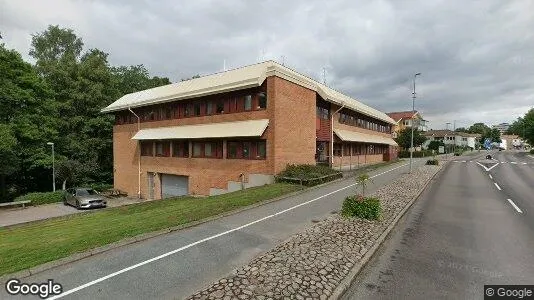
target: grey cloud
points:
(476, 56)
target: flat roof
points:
(238, 79)
(352, 136)
(249, 128)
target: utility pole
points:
(413, 123)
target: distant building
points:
(449, 137)
(513, 141)
(404, 120)
(503, 127)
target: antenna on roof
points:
(324, 75)
(224, 65)
(283, 60)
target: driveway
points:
(33, 213)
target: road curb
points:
(340, 290)
(142, 237)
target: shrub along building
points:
(236, 129)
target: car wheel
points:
(77, 204)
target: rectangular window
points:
(146, 149)
(197, 149)
(209, 108)
(180, 149)
(196, 108)
(262, 100)
(322, 113)
(261, 150)
(220, 107)
(168, 112)
(337, 149)
(246, 150)
(208, 152)
(248, 102)
(187, 110)
(163, 149)
(346, 149)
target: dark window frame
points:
(147, 148)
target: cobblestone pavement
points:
(310, 264)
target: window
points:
(248, 102)
(180, 149)
(196, 108)
(220, 107)
(337, 149)
(322, 113)
(163, 149)
(246, 150)
(187, 110)
(346, 149)
(207, 149)
(262, 100)
(146, 149)
(209, 108)
(168, 112)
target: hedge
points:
(424, 153)
(308, 175)
(358, 206)
(42, 198)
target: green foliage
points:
(404, 138)
(531, 151)
(432, 162)
(524, 127)
(434, 145)
(43, 198)
(308, 174)
(361, 207)
(493, 134)
(424, 153)
(59, 100)
(479, 128)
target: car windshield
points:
(85, 192)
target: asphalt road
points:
(461, 234)
(176, 265)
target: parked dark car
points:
(84, 198)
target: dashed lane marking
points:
(515, 206)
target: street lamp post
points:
(53, 167)
(413, 113)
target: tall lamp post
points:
(53, 167)
(413, 123)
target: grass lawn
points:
(33, 244)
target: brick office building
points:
(238, 128)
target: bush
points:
(42, 198)
(424, 153)
(434, 162)
(361, 207)
(308, 175)
(531, 151)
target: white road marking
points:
(515, 206)
(463, 161)
(513, 162)
(491, 177)
(81, 287)
(503, 162)
(531, 156)
(486, 168)
(524, 163)
(498, 187)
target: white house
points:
(449, 137)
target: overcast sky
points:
(476, 57)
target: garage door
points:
(174, 185)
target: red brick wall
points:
(294, 123)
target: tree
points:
(434, 145)
(26, 106)
(524, 127)
(461, 129)
(404, 138)
(8, 157)
(493, 134)
(479, 128)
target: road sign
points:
(487, 143)
(441, 149)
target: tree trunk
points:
(64, 185)
(3, 192)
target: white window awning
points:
(352, 136)
(250, 128)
